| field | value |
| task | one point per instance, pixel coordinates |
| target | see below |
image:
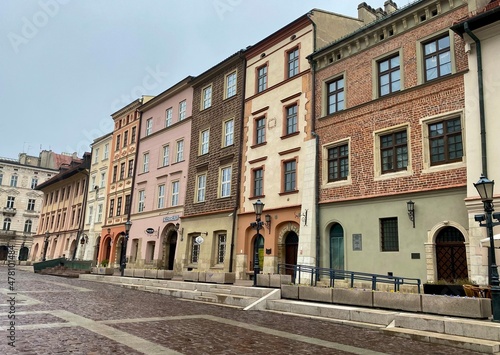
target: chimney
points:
(366, 13)
(390, 6)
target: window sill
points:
(289, 192)
(443, 167)
(392, 175)
(290, 135)
(258, 145)
(256, 197)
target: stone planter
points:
(411, 302)
(353, 296)
(150, 273)
(316, 294)
(220, 277)
(165, 274)
(444, 289)
(139, 273)
(190, 276)
(263, 280)
(276, 280)
(105, 271)
(457, 306)
(290, 292)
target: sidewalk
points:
(476, 335)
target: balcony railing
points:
(9, 211)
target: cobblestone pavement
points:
(56, 315)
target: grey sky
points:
(67, 65)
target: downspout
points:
(240, 153)
(481, 98)
(313, 133)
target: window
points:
(106, 151)
(228, 133)
(145, 162)
(132, 135)
(117, 142)
(201, 185)
(394, 151)
(10, 201)
(338, 163)
(1, 180)
(230, 85)
(445, 141)
(91, 211)
(103, 180)
(127, 204)
(115, 173)
(195, 250)
(122, 171)
(182, 110)
(291, 119)
(142, 196)
(262, 78)
(437, 58)
(335, 96)
(99, 213)
(175, 193)
(204, 139)
(168, 117)
(68, 192)
(166, 153)
(290, 175)
(389, 234)
(56, 196)
(13, 181)
(179, 156)
(225, 185)
(31, 204)
(260, 130)
(111, 207)
(221, 248)
(258, 186)
(389, 75)
(293, 62)
(149, 126)
(27, 226)
(130, 168)
(92, 185)
(34, 182)
(6, 224)
(119, 206)
(96, 156)
(125, 138)
(206, 97)
(161, 196)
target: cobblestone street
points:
(56, 315)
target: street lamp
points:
(485, 189)
(123, 261)
(258, 207)
(45, 245)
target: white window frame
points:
(161, 196)
(106, 151)
(165, 155)
(225, 181)
(103, 180)
(96, 156)
(145, 162)
(228, 130)
(168, 117)
(99, 213)
(175, 187)
(182, 110)
(325, 149)
(204, 141)
(201, 187)
(179, 151)
(149, 126)
(378, 174)
(141, 200)
(206, 97)
(230, 84)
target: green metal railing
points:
(39, 266)
(316, 273)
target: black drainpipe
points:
(481, 97)
(240, 153)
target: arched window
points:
(6, 224)
(27, 226)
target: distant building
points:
(61, 219)
(20, 202)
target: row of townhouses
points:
(363, 138)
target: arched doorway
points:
(4, 251)
(72, 250)
(337, 247)
(96, 248)
(451, 257)
(291, 249)
(258, 252)
(53, 249)
(23, 253)
(106, 250)
(171, 246)
(34, 252)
